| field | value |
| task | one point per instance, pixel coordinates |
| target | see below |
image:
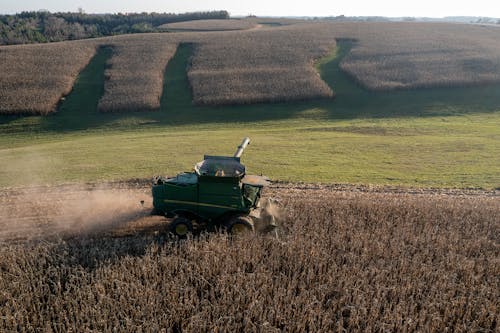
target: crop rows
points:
(134, 77)
(269, 64)
(344, 261)
(34, 77)
(390, 56)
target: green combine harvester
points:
(218, 194)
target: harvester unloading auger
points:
(217, 194)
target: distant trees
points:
(43, 26)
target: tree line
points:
(43, 26)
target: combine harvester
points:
(218, 194)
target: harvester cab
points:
(217, 194)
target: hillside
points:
(428, 137)
(269, 64)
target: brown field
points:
(34, 77)
(265, 65)
(347, 259)
(210, 25)
(134, 77)
(421, 55)
(271, 64)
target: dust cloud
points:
(29, 166)
(100, 209)
(69, 210)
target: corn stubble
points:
(345, 261)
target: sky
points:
(390, 8)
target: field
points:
(134, 73)
(210, 25)
(423, 56)
(389, 194)
(35, 77)
(272, 63)
(428, 138)
(347, 258)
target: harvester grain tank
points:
(217, 194)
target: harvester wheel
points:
(240, 225)
(181, 227)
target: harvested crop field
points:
(348, 258)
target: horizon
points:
(262, 8)
(261, 16)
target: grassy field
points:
(422, 138)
